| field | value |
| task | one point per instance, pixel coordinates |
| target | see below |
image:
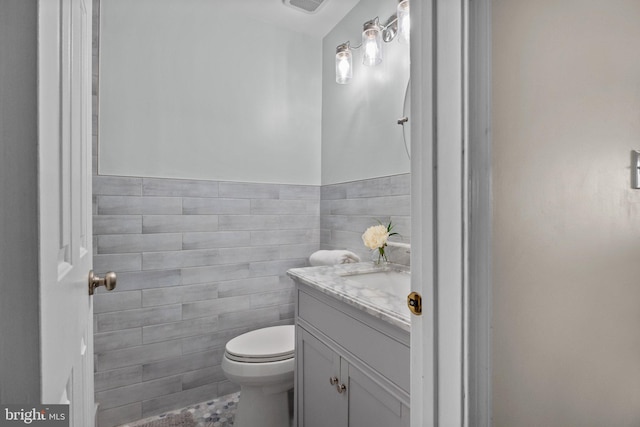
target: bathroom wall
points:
(189, 79)
(365, 168)
(360, 135)
(348, 209)
(566, 114)
(198, 263)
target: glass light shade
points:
(372, 43)
(404, 21)
(344, 64)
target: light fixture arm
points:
(390, 29)
(353, 47)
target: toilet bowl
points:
(262, 363)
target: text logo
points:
(34, 415)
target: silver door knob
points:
(108, 281)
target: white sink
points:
(392, 282)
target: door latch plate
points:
(414, 302)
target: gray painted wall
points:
(360, 135)
(566, 294)
(271, 93)
(19, 288)
(208, 92)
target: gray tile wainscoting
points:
(198, 263)
(190, 279)
(347, 209)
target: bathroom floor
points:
(218, 412)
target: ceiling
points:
(277, 13)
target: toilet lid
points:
(263, 345)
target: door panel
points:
(64, 107)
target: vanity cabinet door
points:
(370, 405)
(319, 403)
(363, 402)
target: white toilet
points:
(262, 363)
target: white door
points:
(438, 194)
(64, 109)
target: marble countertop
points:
(338, 282)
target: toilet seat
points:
(262, 363)
(265, 345)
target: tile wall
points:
(348, 209)
(198, 263)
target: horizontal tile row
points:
(148, 224)
(144, 344)
(165, 308)
(184, 328)
(204, 257)
(126, 319)
(128, 300)
(375, 187)
(160, 187)
(205, 349)
(181, 294)
(373, 206)
(130, 243)
(198, 267)
(182, 364)
(358, 224)
(138, 205)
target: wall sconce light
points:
(344, 64)
(372, 42)
(373, 34)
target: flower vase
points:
(381, 259)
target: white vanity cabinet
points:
(352, 369)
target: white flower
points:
(375, 236)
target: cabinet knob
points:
(340, 387)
